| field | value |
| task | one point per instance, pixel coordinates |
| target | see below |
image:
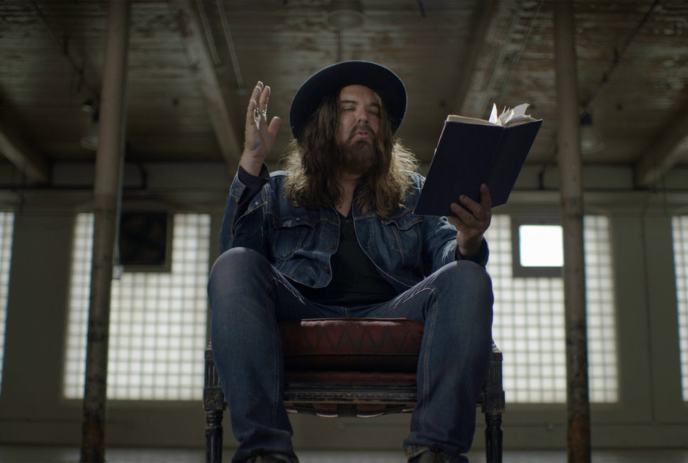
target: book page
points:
(467, 120)
(494, 118)
(509, 117)
(515, 116)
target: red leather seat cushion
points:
(352, 344)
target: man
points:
(335, 236)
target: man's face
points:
(359, 115)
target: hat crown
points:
(333, 78)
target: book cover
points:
(471, 152)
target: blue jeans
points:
(248, 297)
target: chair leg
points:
(493, 437)
(214, 406)
(213, 436)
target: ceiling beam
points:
(26, 159)
(670, 147)
(202, 67)
(493, 26)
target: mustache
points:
(361, 128)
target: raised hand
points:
(259, 137)
(472, 221)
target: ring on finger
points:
(259, 112)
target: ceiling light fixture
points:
(345, 14)
(91, 135)
(590, 139)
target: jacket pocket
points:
(402, 233)
(290, 235)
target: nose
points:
(362, 115)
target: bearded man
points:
(335, 236)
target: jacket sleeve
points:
(439, 244)
(243, 222)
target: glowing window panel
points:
(680, 239)
(6, 235)
(541, 245)
(157, 320)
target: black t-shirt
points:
(355, 279)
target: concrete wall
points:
(650, 413)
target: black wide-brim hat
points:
(333, 78)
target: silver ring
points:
(258, 112)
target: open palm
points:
(259, 136)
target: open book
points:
(471, 152)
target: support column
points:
(107, 193)
(578, 402)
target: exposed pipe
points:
(232, 49)
(571, 193)
(107, 198)
(422, 8)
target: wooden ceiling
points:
(190, 63)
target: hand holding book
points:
(473, 151)
(471, 221)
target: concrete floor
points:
(48, 454)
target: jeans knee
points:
(237, 261)
(466, 288)
(464, 276)
(234, 266)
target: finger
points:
(257, 90)
(485, 198)
(264, 97)
(250, 120)
(274, 125)
(474, 207)
(469, 222)
(465, 216)
(460, 225)
(255, 96)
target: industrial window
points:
(529, 320)
(157, 320)
(680, 232)
(6, 231)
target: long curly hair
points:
(313, 164)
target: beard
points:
(359, 156)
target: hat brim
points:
(333, 78)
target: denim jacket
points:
(299, 241)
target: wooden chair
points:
(352, 368)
